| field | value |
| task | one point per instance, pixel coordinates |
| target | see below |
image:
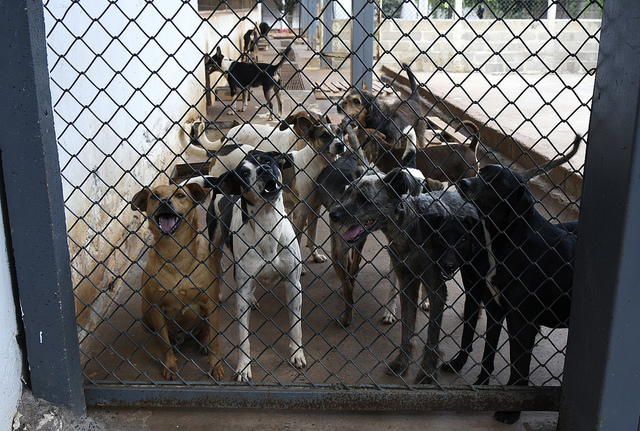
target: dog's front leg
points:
(212, 340)
(244, 296)
(312, 229)
(522, 335)
(409, 304)
(294, 301)
(390, 313)
(244, 99)
(495, 317)
(160, 326)
(437, 293)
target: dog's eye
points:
(356, 101)
(181, 195)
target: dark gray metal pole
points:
(35, 206)
(601, 384)
(362, 43)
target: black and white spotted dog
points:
(250, 218)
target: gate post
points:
(362, 43)
(35, 205)
(601, 386)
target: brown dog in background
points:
(180, 282)
(448, 162)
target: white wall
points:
(10, 355)
(123, 76)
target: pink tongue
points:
(167, 223)
(352, 232)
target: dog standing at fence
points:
(531, 263)
(180, 286)
(386, 203)
(250, 218)
(242, 76)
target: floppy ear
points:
(285, 160)
(139, 202)
(302, 125)
(228, 183)
(196, 191)
(521, 199)
(397, 181)
(291, 119)
(433, 185)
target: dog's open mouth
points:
(271, 187)
(168, 223)
(354, 233)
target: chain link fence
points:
(140, 102)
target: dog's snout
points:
(464, 183)
(449, 267)
(336, 215)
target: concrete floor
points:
(354, 356)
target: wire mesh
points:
(139, 101)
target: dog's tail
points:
(473, 130)
(284, 55)
(546, 167)
(413, 82)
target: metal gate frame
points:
(601, 383)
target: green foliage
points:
(391, 8)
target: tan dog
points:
(180, 282)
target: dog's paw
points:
(483, 378)
(424, 379)
(425, 305)
(456, 364)
(244, 375)
(399, 365)
(170, 371)
(217, 371)
(507, 417)
(319, 257)
(170, 375)
(298, 360)
(346, 318)
(388, 318)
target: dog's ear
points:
(196, 191)
(397, 180)
(285, 160)
(291, 119)
(219, 51)
(139, 202)
(228, 184)
(302, 125)
(433, 185)
(521, 199)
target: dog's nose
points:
(336, 215)
(449, 268)
(463, 183)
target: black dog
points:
(530, 263)
(243, 76)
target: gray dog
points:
(388, 203)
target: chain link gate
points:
(136, 105)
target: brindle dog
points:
(385, 203)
